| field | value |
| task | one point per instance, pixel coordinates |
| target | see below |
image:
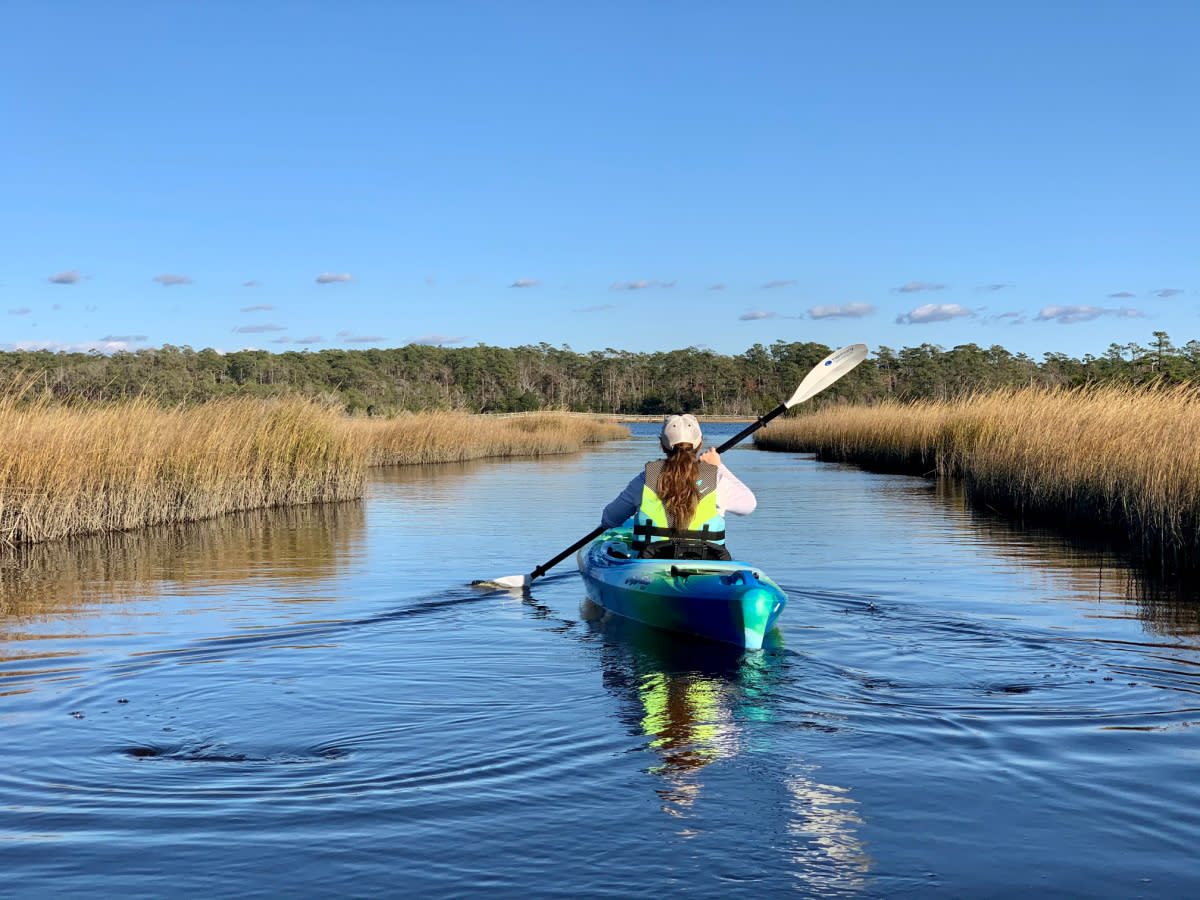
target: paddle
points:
(825, 373)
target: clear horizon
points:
(629, 177)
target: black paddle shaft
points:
(733, 441)
(752, 427)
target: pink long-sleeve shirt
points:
(732, 497)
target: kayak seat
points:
(617, 551)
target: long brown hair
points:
(677, 484)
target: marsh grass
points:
(90, 469)
(72, 470)
(435, 437)
(1112, 460)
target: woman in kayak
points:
(678, 504)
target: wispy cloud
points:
(934, 312)
(23, 311)
(1167, 292)
(915, 287)
(1122, 295)
(365, 339)
(845, 311)
(309, 339)
(261, 306)
(258, 329)
(639, 285)
(786, 282)
(123, 339)
(436, 340)
(599, 308)
(993, 287)
(334, 278)
(168, 280)
(716, 287)
(755, 315)
(251, 283)
(526, 283)
(71, 276)
(1070, 315)
(99, 346)
(1007, 318)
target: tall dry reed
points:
(432, 437)
(1119, 460)
(90, 469)
(72, 470)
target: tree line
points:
(498, 379)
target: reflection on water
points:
(694, 702)
(1077, 567)
(61, 578)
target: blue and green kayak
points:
(724, 601)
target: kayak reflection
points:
(698, 703)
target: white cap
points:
(680, 430)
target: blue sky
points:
(640, 176)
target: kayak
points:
(724, 601)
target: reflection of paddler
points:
(689, 726)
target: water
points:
(313, 702)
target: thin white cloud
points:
(639, 285)
(309, 339)
(845, 311)
(717, 287)
(258, 329)
(99, 346)
(436, 340)
(123, 339)
(168, 280)
(251, 283)
(334, 277)
(1070, 315)
(914, 287)
(261, 306)
(600, 308)
(755, 315)
(365, 339)
(91, 308)
(786, 282)
(526, 283)
(1121, 295)
(934, 312)
(23, 311)
(71, 276)
(994, 287)
(1167, 292)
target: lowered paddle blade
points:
(505, 581)
(827, 371)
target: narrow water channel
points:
(314, 702)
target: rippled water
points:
(314, 702)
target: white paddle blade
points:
(505, 581)
(827, 371)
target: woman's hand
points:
(711, 456)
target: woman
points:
(679, 504)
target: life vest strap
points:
(649, 532)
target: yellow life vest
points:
(653, 523)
